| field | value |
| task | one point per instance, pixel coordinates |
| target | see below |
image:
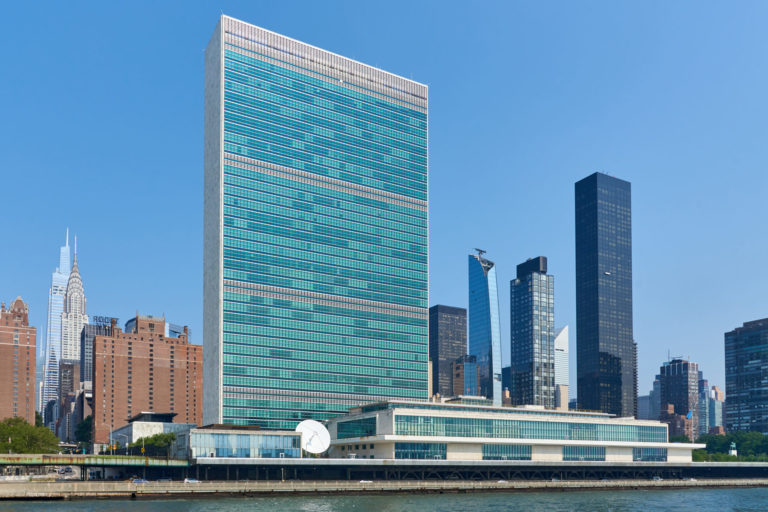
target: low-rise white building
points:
(147, 424)
(459, 431)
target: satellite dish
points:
(314, 436)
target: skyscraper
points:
(562, 372)
(746, 364)
(562, 368)
(51, 350)
(447, 343)
(74, 316)
(680, 388)
(532, 329)
(315, 231)
(17, 362)
(484, 327)
(606, 353)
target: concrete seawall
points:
(155, 490)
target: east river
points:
(721, 500)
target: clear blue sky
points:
(102, 130)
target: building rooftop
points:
(474, 404)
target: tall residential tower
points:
(484, 327)
(315, 231)
(746, 367)
(532, 329)
(606, 353)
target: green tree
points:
(38, 419)
(156, 445)
(679, 439)
(83, 430)
(18, 436)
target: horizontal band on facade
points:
(325, 182)
(238, 392)
(322, 298)
(309, 57)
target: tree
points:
(83, 430)
(26, 438)
(38, 419)
(156, 445)
(679, 439)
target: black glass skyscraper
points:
(746, 365)
(606, 353)
(447, 343)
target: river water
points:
(721, 500)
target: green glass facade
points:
(316, 265)
(420, 450)
(589, 453)
(526, 429)
(506, 452)
(356, 428)
(649, 454)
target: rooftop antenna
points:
(480, 252)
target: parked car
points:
(140, 481)
(191, 481)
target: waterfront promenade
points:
(156, 490)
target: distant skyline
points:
(105, 108)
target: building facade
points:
(447, 343)
(69, 386)
(315, 231)
(532, 329)
(51, 350)
(562, 371)
(606, 352)
(746, 367)
(680, 388)
(74, 316)
(484, 325)
(464, 376)
(18, 347)
(213, 441)
(88, 334)
(457, 431)
(142, 370)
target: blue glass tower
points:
(484, 329)
(315, 232)
(50, 351)
(606, 353)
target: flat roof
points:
(476, 407)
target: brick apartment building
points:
(143, 370)
(17, 362)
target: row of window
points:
(274, 279)
(323, 166)
(401, 161)
(525, 429)
(303, 340)
(326, 305)
(319, 321)
(303, 196)
(287, 142)
(345, 100)
(329, 191)
(307, 81)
